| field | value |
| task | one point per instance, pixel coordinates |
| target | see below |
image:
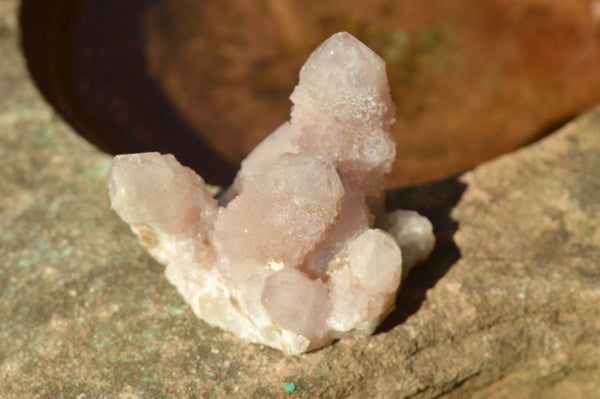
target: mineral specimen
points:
(288, 256)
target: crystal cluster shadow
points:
(435, 201)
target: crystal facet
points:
(288, 255)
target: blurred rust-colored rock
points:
(208, 80)
(472, 79)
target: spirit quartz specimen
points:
(288, 256)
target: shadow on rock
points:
(434, 200)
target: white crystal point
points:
(375, 258)
(356, 310)
(288, 256)
(155, 190)
(362, 291)
(414, 234)
(349, 80)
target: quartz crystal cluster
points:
(288, 256)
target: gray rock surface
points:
(508, 305)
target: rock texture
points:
(507, 307)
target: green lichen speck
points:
(289, 386)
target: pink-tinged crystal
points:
(156, 190)
(282, 213)
(288, 257)
(342, 111)
(298, 303)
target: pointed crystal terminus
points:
(289, 256)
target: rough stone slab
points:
(508, 306)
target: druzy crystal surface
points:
(288, 256)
